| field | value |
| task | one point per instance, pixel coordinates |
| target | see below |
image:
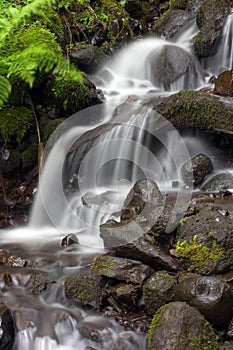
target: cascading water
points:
(95, 184)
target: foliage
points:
(14, 123)
(201, 256)
(27, 48)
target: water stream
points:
(99, 183)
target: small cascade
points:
(223, 59)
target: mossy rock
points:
(178, 326)
(86, 287)
(211, 18)
(142, 9)
(188, 109)
(158, 290)
(180, 4)
(48, 126)
(70, 95)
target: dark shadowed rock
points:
(87, 57)
(94, 330)
(86, 287)
(7, 330)
(211, 18)
(124, 295)
(130, 271)
(178, 326)
(158, 290)
(211, 296)
(126, 341)
(69, 240)
(195, 170)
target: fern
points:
(28, 49)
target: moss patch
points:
(197, 109)
(201, 257)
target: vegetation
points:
(202, 257)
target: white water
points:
(108, 170)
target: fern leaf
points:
(5, 90)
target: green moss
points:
(196, 109)
(201, 256)
(48, 126)
(155, 323)
(70, 94)
(178, 4)
(103, 264)
(201, 343)
(15, 123)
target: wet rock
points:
(211, 296)
(175, 62)
(144, 192)
(87, 57)
(11, 164)
(122, 269)
(7, 330)
(210, 229)
(142, 247)
(195, 170)
(38, 283)
(69, 240)
(169, 24)
(86, 287)
(124, 296)
(94, 330)
(13, 261)
(226, 346)
(178, 326)
(224, 84)
(217, 182)
(197, 109)
(158, 290)
(211, 17)
(126, 341)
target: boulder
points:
(130, 271)
(174, 63)
(195, 169)
(197, 109)
(86, 287)
(209, 235)
(124, 296)
(38, 283)
(218, 182)
(158, 290)
(7, 330)
(178, 326)
(142, 193)
(211, 296)
(211, 17)
(224, 84)
(87, 57)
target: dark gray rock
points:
(138, 246)
(126, 341)
(158, 290)
(38, 283)
(125, 296)
(211, 17)
(174, 63)
(212, 227)
(69, 240)
(95, 331)
(130, 271)
(144, 192)
(7, 330)
(86, 287)
(87, 57)
(211, 296)
(195, 170)
(178, 326)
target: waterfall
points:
(90, 163)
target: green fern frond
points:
(5, 90)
